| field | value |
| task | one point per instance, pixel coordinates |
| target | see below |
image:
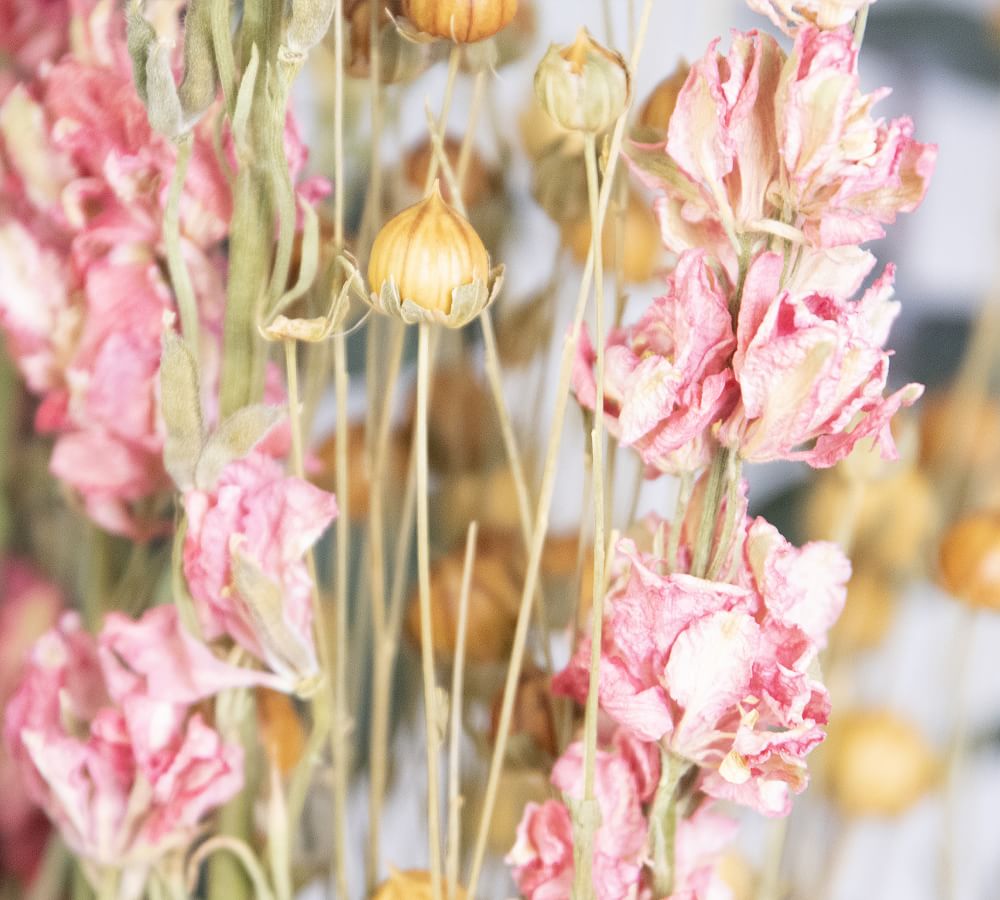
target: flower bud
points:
(494, 597)
(869, 610)
(429, 265)
(533, 726)
(308, 24)
(659, 106)
(463, 21)
(281, 730)
(978, 421)
(970, 560)
(479, 182)
(879, 764)
(641, 246)
(583, 85)
(411, 885)
(359, 478)
(400, 60)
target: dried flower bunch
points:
(231, 664)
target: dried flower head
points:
(462, 21)
(879, 764)
(584, 86)
(428, 265)
(970, 560)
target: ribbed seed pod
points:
(970, 560)
(423, 256)
(411, 885)
(463, 21)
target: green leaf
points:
(180, 403)
(234, 439)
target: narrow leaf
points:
(180, 404)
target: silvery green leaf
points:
(141, 37)
(244, 98)
(162, 101)
(234, 439)
(200, 83)
(180, 404)
(309, 22)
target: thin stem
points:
(732, 514)
(426, 631)
(860, 25)
(455, 728)
(545, 498)
(583, 882)
(341, 718)
(383, 647)
(712, 501)
(449, 93)
(684, 491)
(180, 279)
(107, 887)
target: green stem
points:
(180, 279)
(663, 823)
(711, 503)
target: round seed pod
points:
(480, 183)
(583, 86)
(281, 730)
(660, 104)
(642, 245)
(494, 597)
(518, 787)
(413, 884)
(969, 560)
(869, 611)
(879, 764)
(462, 21)
(533, 723)
(540, 133)
(937, 424)
(428, 265)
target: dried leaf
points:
(180, 404)
(234, 439)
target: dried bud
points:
(308, 24)
(428, 265)
(583, 86)
(488, 497)
(892, 525)
(970, 560)
(540, 133)
(514, 41)
(979, 422)
(641, 245)
(559, 185)
(659, 106)
(281, 730)
(463, 21)
(533, 723)
(494, 598)
(359, 479)
(518, 787)
(400, 60)
(879, 765)
(869, 610)
(479, 181)
(525, 329)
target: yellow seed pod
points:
(428, 265)
(414, 884)
(879, 764)
(641, 245)
(583, 86)
(463, 21)
(969, 560)
(869, 610)
(518, 787)
(479, 182)
(281, 730)
(660, 104)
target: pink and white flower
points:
(666, 377)
(542, 857)
(811, 371)
(789, 15)
(258, 515)
(126, 776)
(719, 674)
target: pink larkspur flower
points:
(125, 778)
(716, 673)
(700, 841)
(272, 520)
(666, 377)
(811, 371)
(29, 606)
(845, 174)
(790, 15)
(542, 856)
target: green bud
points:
(200, 84)
(309, 22)
(141, 38)
(583, 86)
(163, 104)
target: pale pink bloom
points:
(700, 841)
(29, 606)
(271, 520)
(124, 781)
(789, 15)
(722, 134)
(718, 674)
(666, 377)
(811, 371)
(845, 174)
(542, 857)
(30, 34)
